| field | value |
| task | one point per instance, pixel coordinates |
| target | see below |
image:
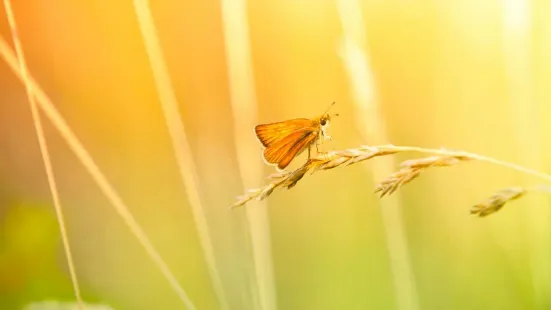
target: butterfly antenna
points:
(329, 107)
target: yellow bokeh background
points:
(446, 74)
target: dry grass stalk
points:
(43, 145)
(410, 170)
(82, 154)
(244, 104)
(180, 143)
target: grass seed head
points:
(411, 169)
(495, 202)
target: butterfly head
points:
(324, 121)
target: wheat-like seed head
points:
(495, 202)
(322, 161)
(410, 170)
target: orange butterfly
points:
(285, 140)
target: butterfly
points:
(283, 141)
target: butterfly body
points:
(283, 141)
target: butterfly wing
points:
(284, 150)
(269, 134)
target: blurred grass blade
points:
(517, 31)
(88, 162)
(244, 107)
(370, 123)
(180, 143)
(44, 152)
(58, 305)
